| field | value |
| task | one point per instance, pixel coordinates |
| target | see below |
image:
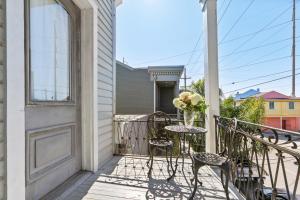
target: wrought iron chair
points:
(158, 138)
(221, 160)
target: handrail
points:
(261, 156)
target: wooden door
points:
(52, 113)
(284, 124)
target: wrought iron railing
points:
(265, 160)
(131, 138)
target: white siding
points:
(2, 136)
(105, 79)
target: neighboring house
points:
(57, 63)
(245, 95)
(281, 111)
(146, 90)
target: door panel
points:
(52, 113)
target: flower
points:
(195, 99)
(177, 102)
(189, 101)
(182, 105)
(184, 96)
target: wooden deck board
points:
(126, 178)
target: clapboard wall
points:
(105, 78)
(134, 91)
(2, 132)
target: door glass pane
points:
(49, 51)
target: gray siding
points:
(105, 79)
(134, 91)
(2, 132)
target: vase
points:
(189, 117)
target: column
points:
(176, 95)
(211, 73)
(155, 95)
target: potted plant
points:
(190, 103)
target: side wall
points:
(134, 91)
(105, 78)
(2, 132)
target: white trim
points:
(114, 55)
(15, 64)
(211, 70)
(89, 80)
(15, 122)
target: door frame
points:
(15, 92)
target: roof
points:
(247, 94)
(273, 95)
(169, 68)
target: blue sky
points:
(165, 32)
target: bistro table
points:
(182, 131)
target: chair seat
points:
(161, 143)
(210, 159)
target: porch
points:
(265, 165)
(125, 177)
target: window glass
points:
(49, 51)
(291, 105)
(271, 105)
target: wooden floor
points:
(126, 178)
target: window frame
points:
(73, 64)
(289, 104)
(271, 103)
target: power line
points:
(258, 77)
(221, 43)
(224, 12)
(253, 33)
(262, 83)
(165, 58)
(222, 5)
(257, 47)
(255, 63)
(195, 47)
(238, 20)
(263, 28)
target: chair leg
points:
(168, 163)
(173, 171)
(225, 171)
(196, 169)
(148, 161)
(151, 162)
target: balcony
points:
(265, 164)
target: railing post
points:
(211, 73)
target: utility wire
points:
(197, 50)
(257, 47)
(166, 58)
(222, 5)
(238, 20)
(257, 77)
(195, 47)
(262, 83)
(253, 33)
(255, 63)
(263, 28)
(224, 12)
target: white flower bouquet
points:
(191, 102)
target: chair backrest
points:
(156, 123)
(227, 137)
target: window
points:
(50, 52)
(271, 105)
(291, 105)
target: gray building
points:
(146, 90)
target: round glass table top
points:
(185, 129)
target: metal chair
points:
(218, 160)
(158, 138)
